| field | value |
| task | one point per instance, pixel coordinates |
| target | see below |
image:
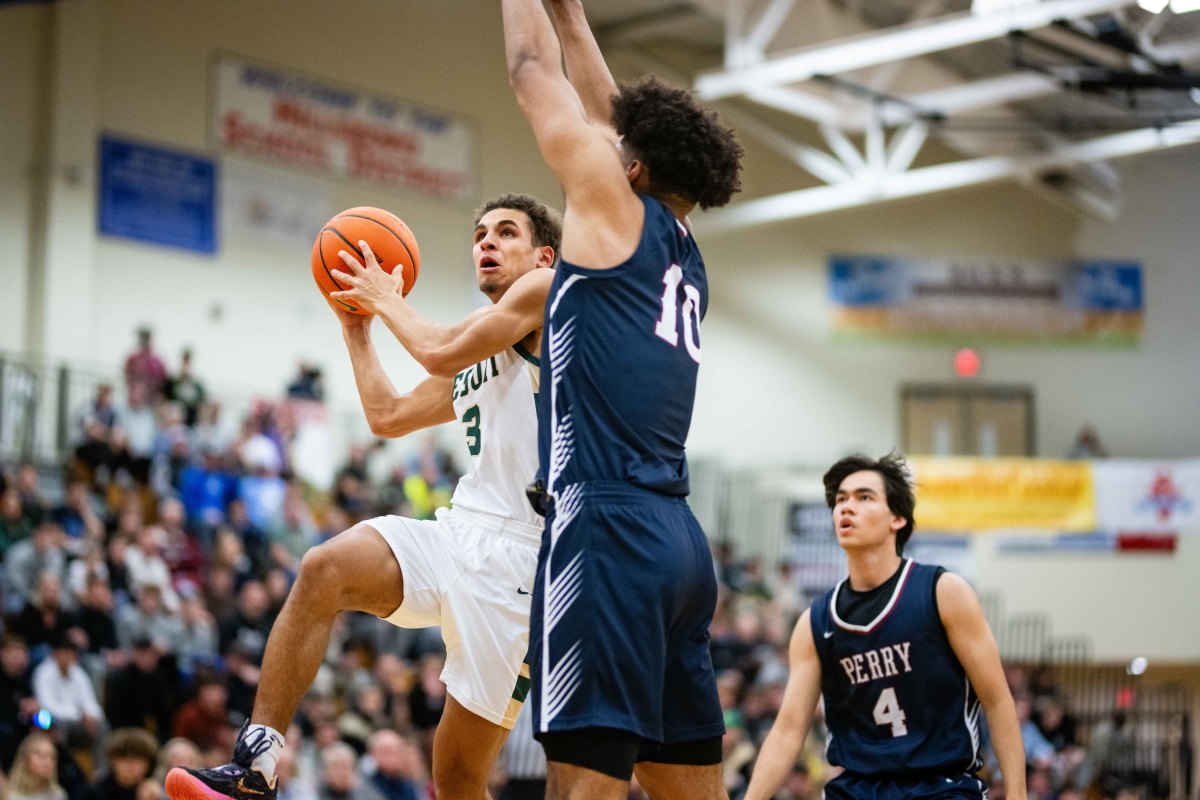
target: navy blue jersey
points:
(619, 360)
(897, 700)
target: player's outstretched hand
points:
(370, 286)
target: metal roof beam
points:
(904, 41)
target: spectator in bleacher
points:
(17, 702)
(339, 776)
(295, 534)
(96, 618)
(398, 773)
(15, 526)
(77, 517)
(206, 490)
(140, 426)
(101, 409)
(131, 753)
(44, 619)
(252, 622)
(307, 385)
(427, 699)
(207, 434)
(201, 719)
(241, 682)
(143, 693)
(181, 551)
(1087, 444)
(28, 486)
(185, 389)
(95, 458)
(34, 774)
(81, 571)
(149, 619)
(254, 538)
(147, 567)
(64, 689)
(289, 785)
(197, 643)
(143, 367)
(177, 752)
(172, 449)
(115, 559)
(30, 558)
(1038, 751)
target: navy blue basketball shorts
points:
(961, 786)
(624, 597)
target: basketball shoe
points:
(234, 781)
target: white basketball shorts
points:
(472, 574)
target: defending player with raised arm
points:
(903, 657)
(625, 589)
(471, 570)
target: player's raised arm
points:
(444, 350)
(582, 157)
(785, 742)
(973, 644)
(389, 413)
(586, 70)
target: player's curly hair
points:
(688, 151)
(547, 223)
(897, 484)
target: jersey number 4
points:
(888, 712)
(667, 327)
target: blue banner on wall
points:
(1018, 299)
(157, 195)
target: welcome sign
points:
(300, 121)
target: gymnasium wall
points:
(773, 387)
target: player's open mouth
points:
(488, 263)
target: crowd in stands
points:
(138, 595)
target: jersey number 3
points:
(470, 418)
(667, 327)
(888, 712)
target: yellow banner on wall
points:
(975, 494)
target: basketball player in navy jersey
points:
(625, 589)
(902, 656)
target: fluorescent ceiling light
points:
(1184, 6)
(1153, 6)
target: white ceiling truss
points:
(1066, 53)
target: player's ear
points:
(898, 522)
(545, 256)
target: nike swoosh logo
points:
(828, 634)
(521, 591)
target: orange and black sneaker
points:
(234, 781)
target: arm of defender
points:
(785, 742)
(586, 70)
(582, 158)
(389, 414)
(973, 644)
(446, 350)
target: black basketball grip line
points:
(416, 267)
(325, 266)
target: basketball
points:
(390, 239)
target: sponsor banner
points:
(345, 133)
(1000, 299)
(1161, 543)
(1136, 496)
(157, 195)
(976, 494)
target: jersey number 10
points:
(667, 327)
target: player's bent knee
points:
(354, 571)
(459, 777)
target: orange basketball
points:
(390, 239)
